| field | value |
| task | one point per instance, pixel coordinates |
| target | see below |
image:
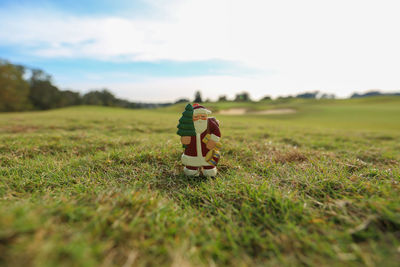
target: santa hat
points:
(199, 109)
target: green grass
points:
(91, 186)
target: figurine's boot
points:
(191, 171)
(209, 172)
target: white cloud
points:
(338, 46)
(188, 33)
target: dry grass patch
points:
(19, 129)
(289, 156)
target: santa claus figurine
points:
(202, 149)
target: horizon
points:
(159, 51)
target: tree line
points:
(374, 93)
(245, 97)
(23, 88)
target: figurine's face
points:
(199, 117)
(200, 122)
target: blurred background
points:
(147, 53)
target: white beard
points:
(200, 126)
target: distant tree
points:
(242, 97)
(309, 95)
(39, 75)
(373, 93)
(182, 100)
(222, 98)
(328, 96)
(92, 98)
(100, 98)
(42, 93)
(108, 98)
(14, 90)
(70, 98)
(125, 104)
(197, 97)
(208, 100)
(266, 98)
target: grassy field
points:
(93, 186)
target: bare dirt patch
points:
(275, 111)
(243, 111)
(233, 111)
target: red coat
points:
(213, 129)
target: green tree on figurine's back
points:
(186, 126)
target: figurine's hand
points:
(185, 140)
(211, 144)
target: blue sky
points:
(161, 50)
(84, 7)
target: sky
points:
(164, 50)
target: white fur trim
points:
(201, 111)
(198, 145)
(210, 172)
(200, 127)
(194, 161)
(191, 172)
(214, 138)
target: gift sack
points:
(212, 156)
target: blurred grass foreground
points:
(98, 186)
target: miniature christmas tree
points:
(186, 126)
